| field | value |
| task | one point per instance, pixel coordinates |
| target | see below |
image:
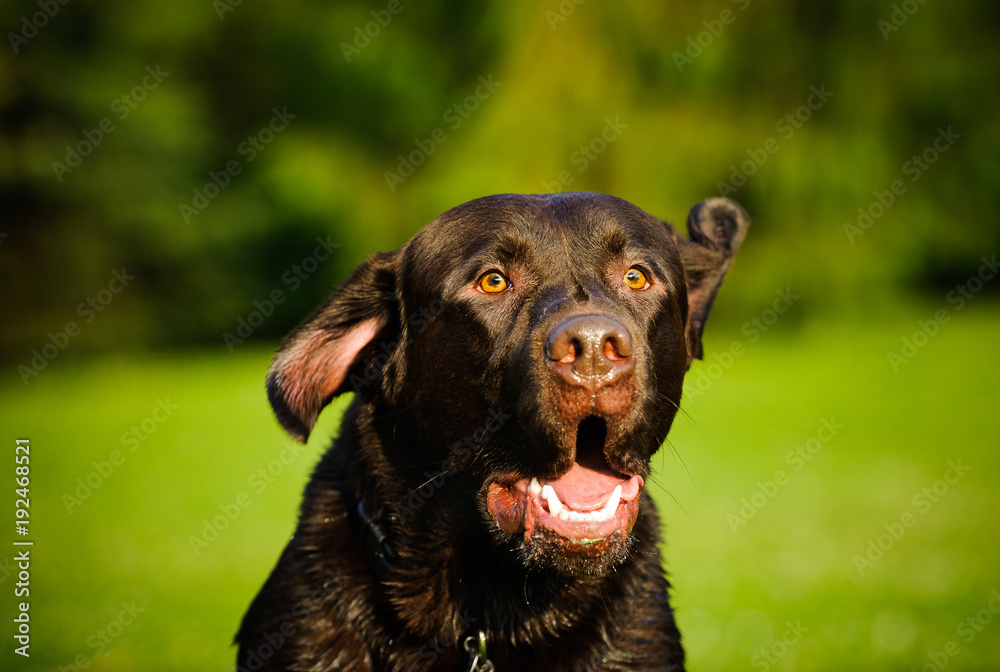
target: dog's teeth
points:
(555, 506)
(612, 504)
(563, 512)
(534, 488)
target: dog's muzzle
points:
(589, 351)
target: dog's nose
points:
(591, 347)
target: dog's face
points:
(536, 343)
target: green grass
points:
(735, 591)
(793, 560)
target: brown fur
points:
(453, 394)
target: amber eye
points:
(635, 279)
(493, 283)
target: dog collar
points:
(475, 646)
(370, 539)
(372, 543)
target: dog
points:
(515, 366)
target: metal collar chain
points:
(475, 646)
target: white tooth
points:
(534, 488)
(555, 506)
(612, 504)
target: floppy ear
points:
(716, 229)
(314, 363)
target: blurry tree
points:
(143, 136)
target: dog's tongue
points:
(585, 488)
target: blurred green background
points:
(197, 150)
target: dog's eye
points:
(493, 283)
(635, 279)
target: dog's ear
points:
(315, 362)
(716, 229)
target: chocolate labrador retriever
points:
(515, 366)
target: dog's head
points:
(535, 344)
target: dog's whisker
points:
(425, 483)
(680, 458)
(498, 418)
(660, 395)
(676, 501)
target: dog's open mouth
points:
(588, 503)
